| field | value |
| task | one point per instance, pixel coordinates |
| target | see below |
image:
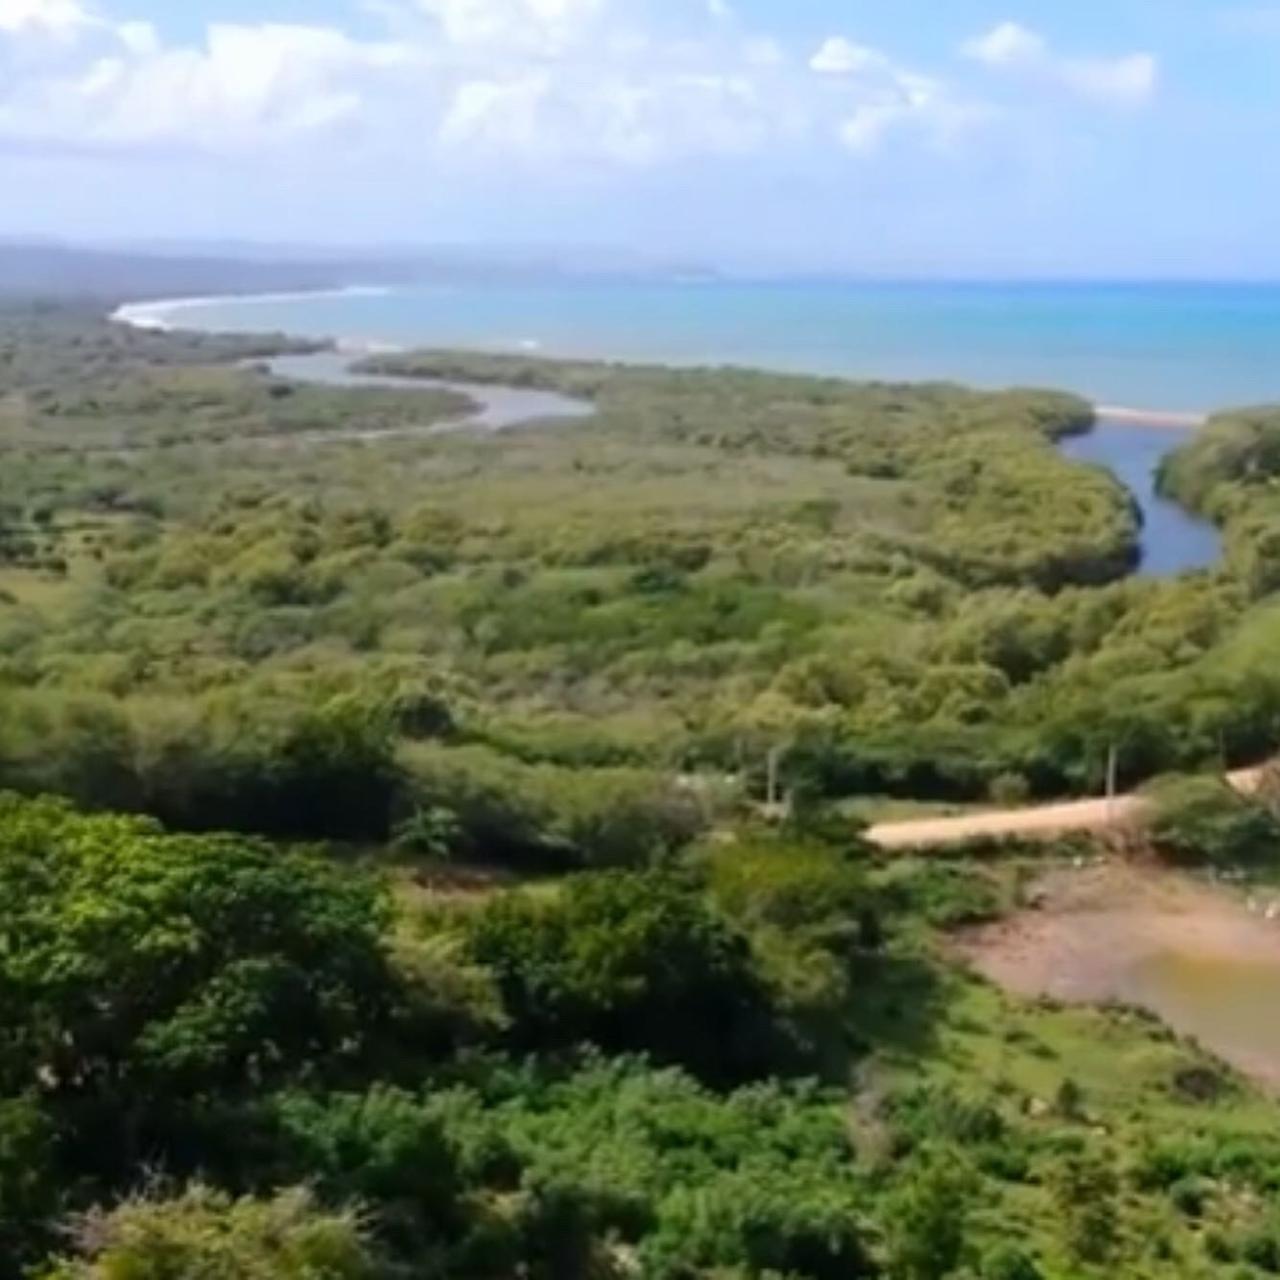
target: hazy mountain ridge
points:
(50, 270)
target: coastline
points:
(157, 315)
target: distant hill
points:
(63, 272)
(42, 269)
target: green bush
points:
(205, 1235)
(629, 962)
(1008, 1262)
(528, 816)
(946, 895)
(30, 1194)
(383, 1148)
(1203, 822)
(158, 970)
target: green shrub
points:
(1189, 1196)
(507, 812)
(1008, 1262)
(204, 1235)
(1202, 821)
(926, 1221)
(946, 895)
(629, 962)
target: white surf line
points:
(157, 314)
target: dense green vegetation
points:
(574, 644)
(1229, 472)
(755, 1061)
(544, 996)
(1202, 821)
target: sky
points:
(924, 138)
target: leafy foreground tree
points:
(143, 973)
(204, 1235)
(629, 962)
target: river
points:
(498, 408)
(1173, 540)
(1225, 999)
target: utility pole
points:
(775, 759)
(1113, 770)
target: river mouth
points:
(1173, 540)
(1204, 961)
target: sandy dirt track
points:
(1043, 823)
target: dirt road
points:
(1043, 823)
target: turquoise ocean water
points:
(1175, 347)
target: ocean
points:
(1175, 347)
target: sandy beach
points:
(162, 314)
(1166, 418)
(158, 314)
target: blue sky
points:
(923, 137)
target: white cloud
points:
(840, 57)
(54, 16)
(1130, 80)
(537, 115)
(1133, 79)
(245, 86)
(461, 82)
(1008, 45)
(538, 23)
(882, 97)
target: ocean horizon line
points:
(156, 315)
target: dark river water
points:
(1173, 540)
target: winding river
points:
(499, 408)
(1173, 540)
(1225, 1000)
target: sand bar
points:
(1168, 418)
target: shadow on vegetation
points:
(896, 1004)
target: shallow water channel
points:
(1202, 957)
(498, 407)
(1173, 540)
(1231, 1004)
